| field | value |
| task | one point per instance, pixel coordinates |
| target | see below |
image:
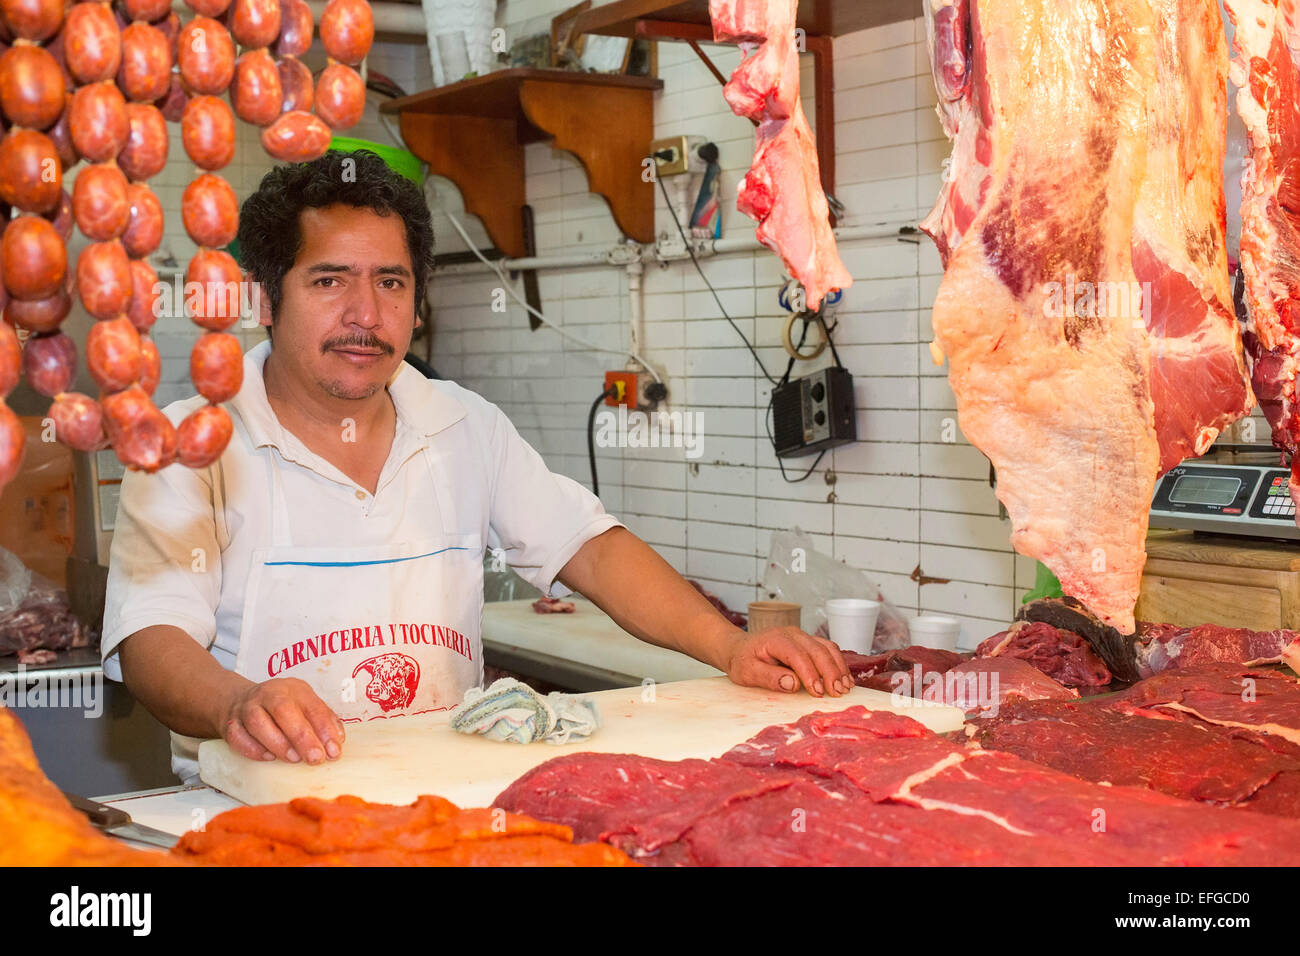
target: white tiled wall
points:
(898, 499)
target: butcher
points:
(328, 567)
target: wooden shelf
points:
(830, 18)
(474, 132)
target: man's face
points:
(347, 307)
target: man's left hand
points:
(783, 658)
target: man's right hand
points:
(282, 719)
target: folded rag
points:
(511, 710)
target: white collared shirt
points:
(184, 539)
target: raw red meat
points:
(1226, 768)
(1057, 394)
(1083, 217)
(875, 788)
(1198, 374)
(1228, 695)
(1162, 646)
(783, 189)
(1266, 41)
(549, 605)
(944, 677)
(876, 670)
(1065, 657)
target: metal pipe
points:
(707, 247)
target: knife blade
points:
(118, 823)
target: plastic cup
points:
(935, 630)
(852, 623)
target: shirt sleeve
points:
(538, 518)
(165, 561)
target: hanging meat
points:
(1266, 72)
(1084, 308)
(782, 190)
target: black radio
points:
(814, 412)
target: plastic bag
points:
(34, 614)
(797, 571)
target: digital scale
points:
(1251, 500)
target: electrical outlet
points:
(677, 163)
(627, 394)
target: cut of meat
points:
(1054, 389)
(1085, 308)
(1198, 374)
(945, 677)
(984, 684)
(1229, 695)
(550, 605)
(1266, 44)
(1063, 656)
(782, 189)
(1163, 646)
(1196, 762)
(876, 788)
(875, 671)
(1068, 614)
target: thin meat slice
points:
(1063, 656)
(1053, 386)
(1266, 44)
(1199, 762)
(1227, 695)
(783, 189)
(876, 671)
(1163, 646)
(1199, 383)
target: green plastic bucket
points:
(400, 161)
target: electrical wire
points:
(767, 418)
(510, 289)
(591, 435)
(691, 252)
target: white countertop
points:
(587, 637)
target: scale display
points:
(1204, 490)
(1226, 499)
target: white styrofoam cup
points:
(852, 623)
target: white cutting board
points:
(395, 761)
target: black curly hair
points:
(270, 233)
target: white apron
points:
(378, 631)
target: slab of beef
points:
(1199, 383)
(1085, 307)
(783, 189)
(1226, 695)
(873, 788)
(1223, 767)
(1062, 655)
(945, 677)
(1163, 646)
(1069, 614)
(1055, 391)
(1266, 44)
(875, 671)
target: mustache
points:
(357, 342)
